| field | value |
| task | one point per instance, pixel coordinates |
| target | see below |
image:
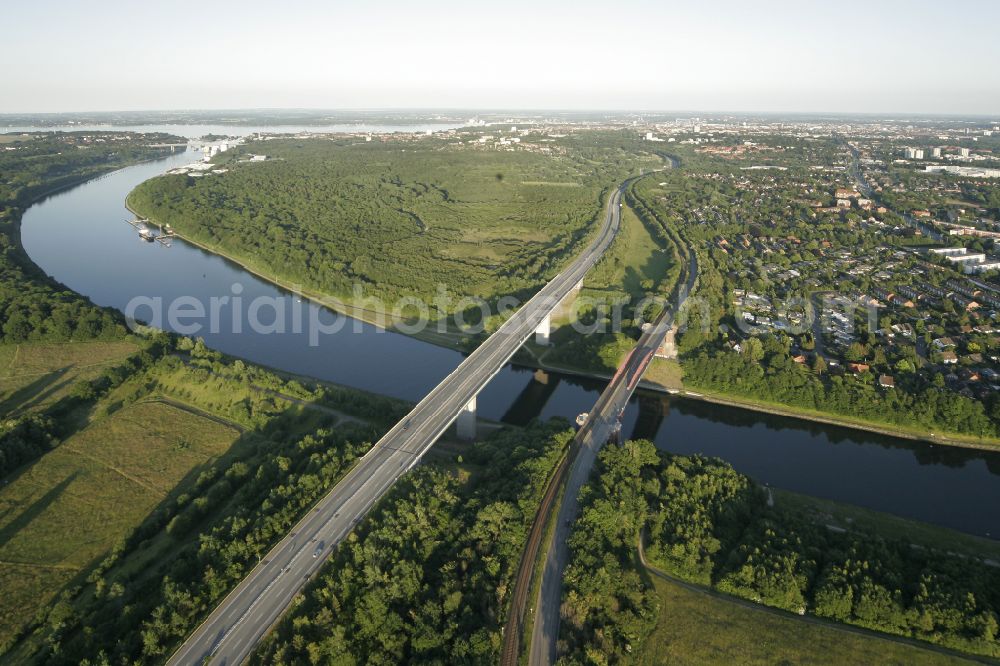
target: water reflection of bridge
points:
(653, 409)
(532, 399)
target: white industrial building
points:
(966, 171)
(971, 262)
(968, 258)
(948, 251)
(983, 267)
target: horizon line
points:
(499, 110)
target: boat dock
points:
(148, 235)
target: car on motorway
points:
(319, 549)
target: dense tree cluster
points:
(398, 218)
(428, 577)
(607, 609)
(776, 378)
(33, 307)
(707, 524)
(23, 439)
(708, 510)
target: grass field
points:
(696, 628)
(665, 372)
(634, 258)
(11, 138)
(633, 266)
(7, 356)
(65, 511)
(35, 375)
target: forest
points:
(705, 523)
(33, 307)
(395, 217)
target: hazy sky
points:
(913, 56)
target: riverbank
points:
(844, 422)
(448, 339)
(458, 342)
(16, 213)
(841, 516)
(672, 385)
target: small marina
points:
(162, 236)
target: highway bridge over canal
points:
(233, 629)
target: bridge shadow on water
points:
(653, 411)
(726, 430)
(532, 399)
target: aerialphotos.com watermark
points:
(587, 314)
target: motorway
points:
(233, 629)
(601, 424)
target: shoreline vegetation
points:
(457, 341)
(34, 305)
(807, 561)
(339, 305)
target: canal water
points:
(80, 237)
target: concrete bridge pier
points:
(465, 424)
(669, 348)
(565, 307)
(543, 331)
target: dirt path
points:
(40, 565)
(183, 406)
(105, 464)
(13, 361)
